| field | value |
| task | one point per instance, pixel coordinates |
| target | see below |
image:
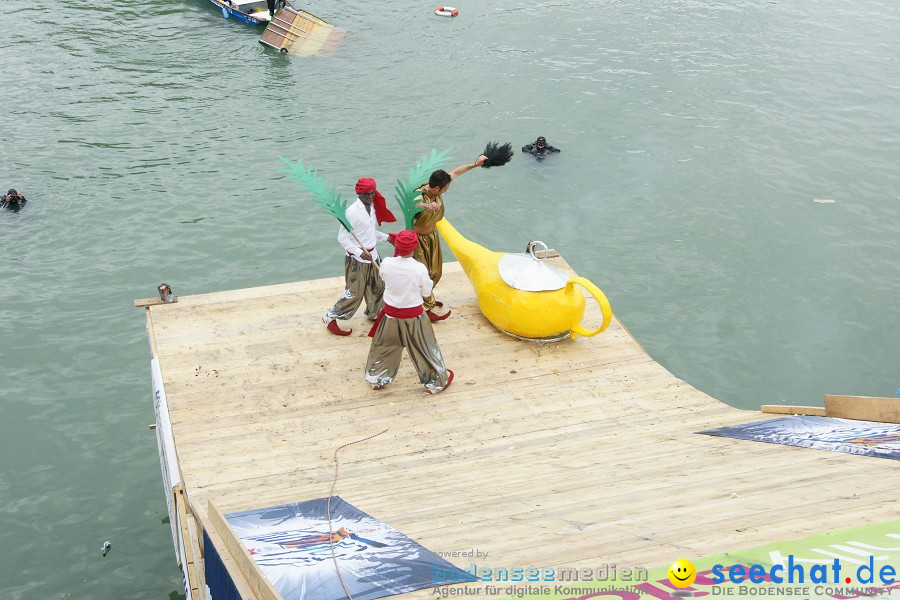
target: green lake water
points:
(695, 136)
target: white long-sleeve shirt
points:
(406, 281)
(364, 226)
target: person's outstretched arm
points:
(466, 168)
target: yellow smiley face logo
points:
(682, 573)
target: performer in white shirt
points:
(360, 275)
(403, 323)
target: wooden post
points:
(259, 583)
(784, 409)
(230, 564)
(195, 579)
(863, 408)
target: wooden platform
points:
(577, 453)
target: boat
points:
(251, 12)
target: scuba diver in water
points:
(13, 201)
(540, 148)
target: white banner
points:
(168, 462)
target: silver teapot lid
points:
(529, 273)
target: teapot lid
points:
(529, 273)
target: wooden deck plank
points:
(212, 450)
(569, 453)
(542, 397)
(601, 483)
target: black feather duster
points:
(497, 155)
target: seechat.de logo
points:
(794, 572)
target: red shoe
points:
(434, 318)
(449, 381)
(333, 327)
(439, 304)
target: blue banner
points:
(296, 549)
(868, 438)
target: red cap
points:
(405, 242)
(365, 185)
(382, 214)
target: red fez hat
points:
(405, 242)
(365, 185)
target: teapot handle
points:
(600, 297)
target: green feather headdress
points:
(324, 195)
(405, 191)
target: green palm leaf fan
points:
(325, 196)
(405, 191)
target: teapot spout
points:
(476, 260)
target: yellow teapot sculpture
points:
(522, 295)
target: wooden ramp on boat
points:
(299, 32)
(569, 454)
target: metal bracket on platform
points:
(165, 297)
